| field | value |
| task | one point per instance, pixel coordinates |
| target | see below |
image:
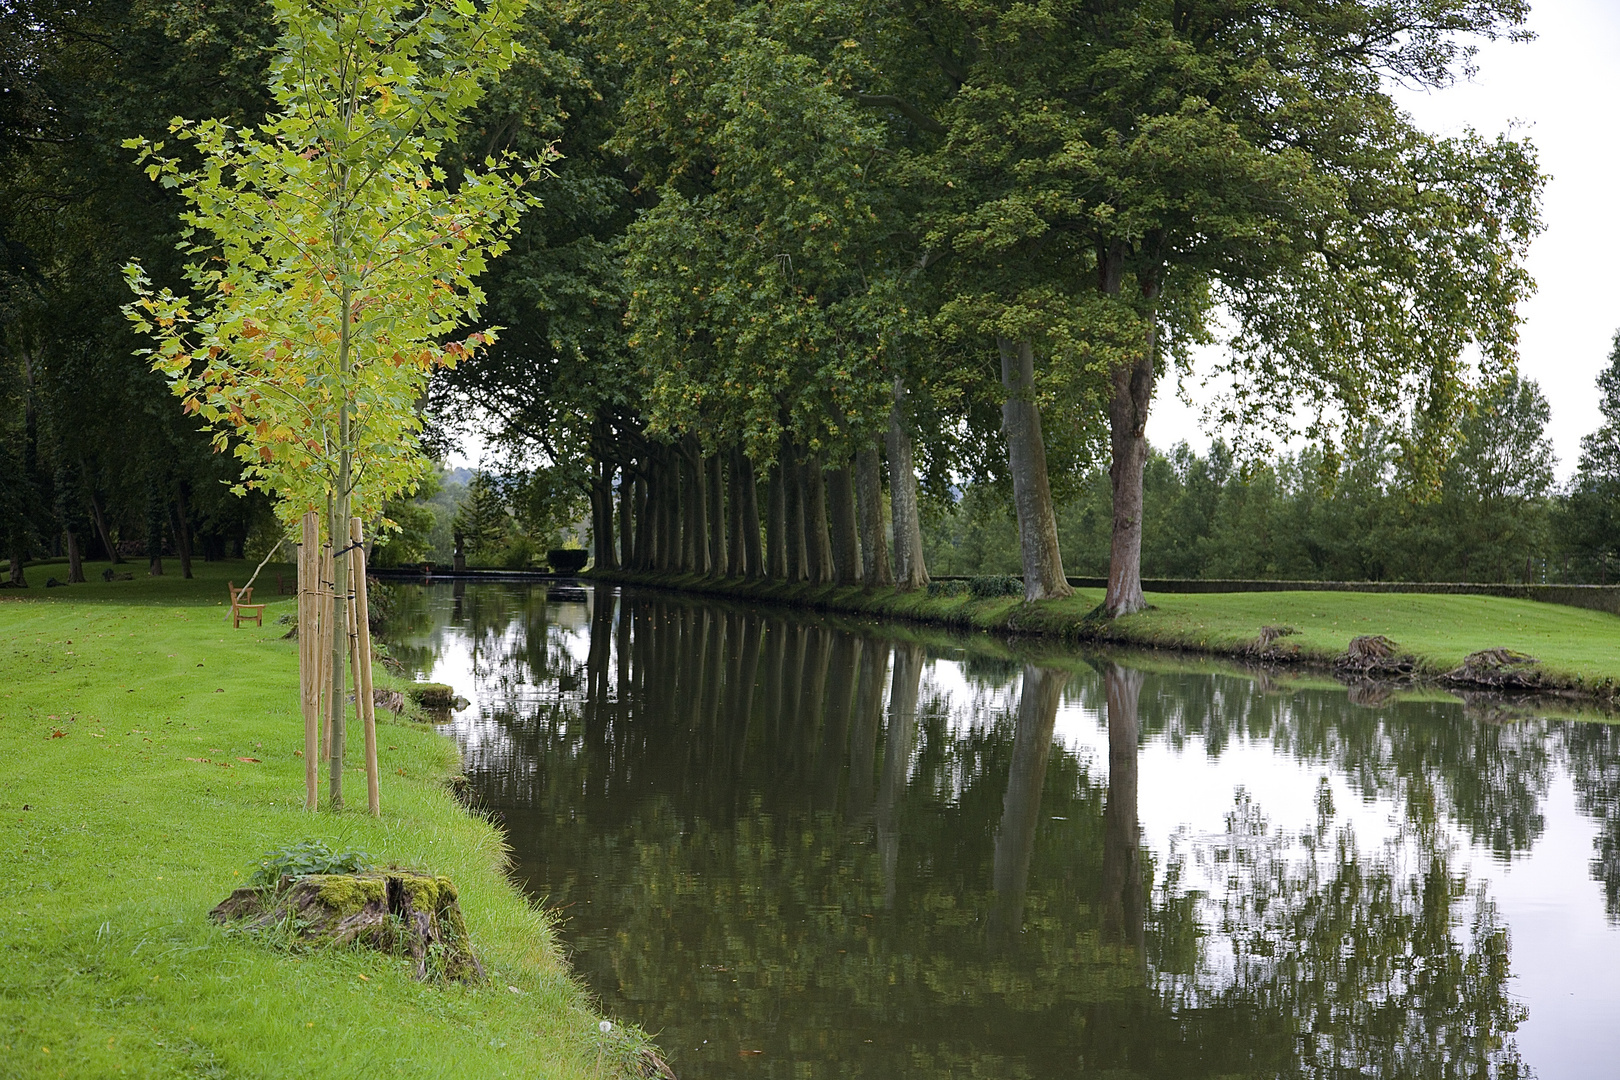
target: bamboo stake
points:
(307, 574)
(327, 618)
(364, 705)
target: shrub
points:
(306, 857)
(947, 588)
(567, 560)
(996, 585)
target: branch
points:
(904, 108)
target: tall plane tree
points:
(333, 263)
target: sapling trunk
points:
(1026, 458)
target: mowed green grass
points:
(149, 754)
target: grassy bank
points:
(151, 755)
(1578, 650)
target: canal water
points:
(796, 846)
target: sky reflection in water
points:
(799, 847)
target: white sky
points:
(1563, 89)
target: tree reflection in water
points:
(777, 834)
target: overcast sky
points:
(1563, 90)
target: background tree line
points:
(1498, 515)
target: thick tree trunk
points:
(776, 560)
(736, 554)
(18, 579)
(1128, 447)
(674, 510)
(602, 517)
(75, 560)
(748, 486)
(817, 544)
(626, 519)
(1026, 458)
(846, 543)
(1021, 807)
(869, 510)
(909, 569)
(1131, 396)
(717, 516)
(100, 519)
(798, 568)
(642, 522)
(1122, 905)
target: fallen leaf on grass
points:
(252, 760)
(58, 733)
(749, 1053)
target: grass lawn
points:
(150, 756)
(1576, 647)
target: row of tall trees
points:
(798, 251)
(794, 254)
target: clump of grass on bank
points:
(1579, 649)
(151, 756)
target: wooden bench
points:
(241, 608)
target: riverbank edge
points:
(433, 812)
(1073, 621)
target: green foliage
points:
(483, 522)
(333, 256)
(1590, 523)
(992, 585)
(308, 856)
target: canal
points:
(795, 846)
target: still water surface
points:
(801, 847)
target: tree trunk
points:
(1026, 459)
(1132, 394)
(602, 513)
(717, 516)
(736, 554)
(869, 510)
(75, 561)
(846, 543)
(642, 521)
(19, 580)
(776, 565)
(909, 569)
(100, 519)
(817, 545)
(673, 509)
(798, 568)
(154, 533)
(182, 531)
(1021, 807)
(626, 519)
(753, 557)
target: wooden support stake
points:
(307, 575)
(328, 617)
(365, 706)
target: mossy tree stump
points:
(400, 912)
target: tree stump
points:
(400, 912)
